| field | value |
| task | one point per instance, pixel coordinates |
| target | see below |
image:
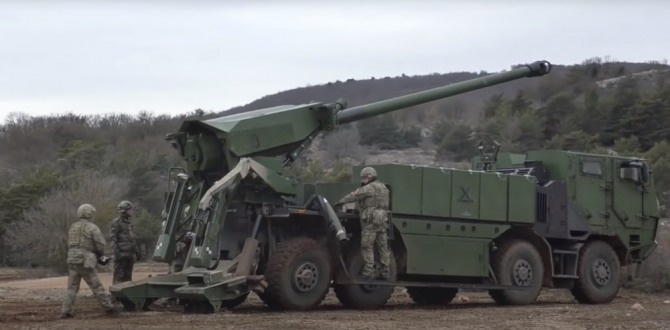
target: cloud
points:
(173, 57)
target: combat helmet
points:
(86, 211)
(125, 206)
(368, 172)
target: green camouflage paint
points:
(255, 230)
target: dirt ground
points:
(35, 304)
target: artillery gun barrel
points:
(365, 111)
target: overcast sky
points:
(176, 56)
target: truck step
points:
(433, 285)
(566, 276)
(556, 251)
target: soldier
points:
(372, 199)
(124, 245)
(183, 245)
(184, 238)
(86, 246)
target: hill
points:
(358, 92)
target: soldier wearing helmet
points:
(86, 247)
(185, 238)
(126, 250)
(372, 199)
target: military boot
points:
(115, 310)
(366, 277)
(385, 275)
(112, 312)
(66, 316)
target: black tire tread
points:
(581, 291)
(343, 292)
(432, 296)
(501, 297)
(280, 262)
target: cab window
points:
(591, 167)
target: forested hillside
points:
(49, 165)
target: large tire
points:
(599, 274)
(518, 263)
(298, 275)
(263, 296)
(363, 296)
(432, 296)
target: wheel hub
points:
(306, 277)
(601, 272)
(522, 272)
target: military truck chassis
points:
(324, 263)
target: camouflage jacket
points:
(122, 238)
(372, 201)
(84, 238)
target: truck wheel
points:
(298, 275)
(517, 263)
(599, 272)
(363, 296)
(263, 296)
(432, 296)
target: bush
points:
(53, 214)
(385, 133)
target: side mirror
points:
(636, 171)
(630, 173)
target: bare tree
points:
(41, 238)
(341, 144)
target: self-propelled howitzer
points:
(249, 222)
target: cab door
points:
(593, 186)
(630, 196)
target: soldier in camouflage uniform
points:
(184, 239)
(183, 245)
(122, 237)
(86, 246)
(181, 251)
(372, 199)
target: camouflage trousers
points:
(177, 264)
(375, 238)
(90, 276)
(123, 269)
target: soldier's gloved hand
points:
(104, 260)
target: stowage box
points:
(460, 194)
